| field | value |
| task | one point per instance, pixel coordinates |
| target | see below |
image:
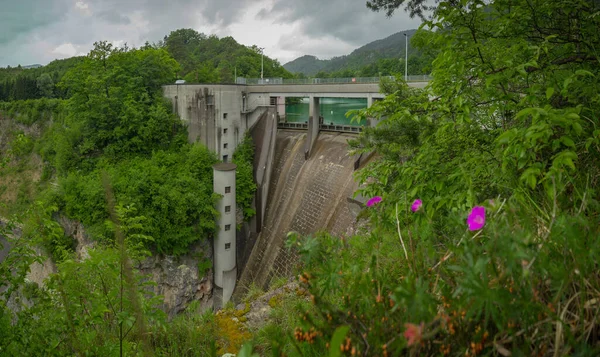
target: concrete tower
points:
(224, 244)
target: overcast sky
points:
(39, 31)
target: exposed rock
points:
(39, 272)
(259, 309)
(178, 279)
(76, 230)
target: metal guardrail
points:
(349, 80)
(303, 126)
(324, 127)
(341, 128)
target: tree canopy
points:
(483, 204)
(413, 7)
(209, 59)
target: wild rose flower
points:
(413, 333)
(373, 201)
(476, 219)
(416, 205)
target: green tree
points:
(243, 157)
(45, 85)
(510, 125)
(116, 95)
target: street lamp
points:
(262, 67)
(406, 58)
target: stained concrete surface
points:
(305, 196)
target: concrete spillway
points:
(305, 196)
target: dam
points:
(302, 168)
(305, 196)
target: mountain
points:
(306, 64)
(391, 47)
(210, 59)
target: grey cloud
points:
(114, 17)
(323, 48)
(31, 29)
(21, 17)
(347, 20)
(222, 12)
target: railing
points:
(324, 127)
(341, 128)
(303, 126)
(349, 80)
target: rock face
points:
(177, 278)
(76, 231)
(257, 312)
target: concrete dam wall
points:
(305, 196)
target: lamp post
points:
(406, 58)
(262, 67)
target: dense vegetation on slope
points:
(208, 59)
(20, 83)
(117, 122)
(202, 58)
(385, 57)
(485, 240)
(483, 237)
(117, 160)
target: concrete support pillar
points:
(371, 121)
(314, 125)
(314, 107)
(281, 108)
(225, 244)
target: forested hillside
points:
(209, 59)
(202, 58)
(385, 56)
(115, 159)
(479, 233)
(19, 83)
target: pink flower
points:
(476, 219)
(416, 205)
(413, 333)
(373, 201)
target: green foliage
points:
(30, 112)
(245, 186)
(116, 101)
(16, 262)
(45, 85)
(22, 145)
(458, 290)
(510, 122)
(171, 190)
(19, 83)
(192, 333)
(40, 228)
(91, 316)
(117, 121)
(95, 306)
(204, 266)
(254, 291)
(209, 59)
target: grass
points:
(253, 293)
